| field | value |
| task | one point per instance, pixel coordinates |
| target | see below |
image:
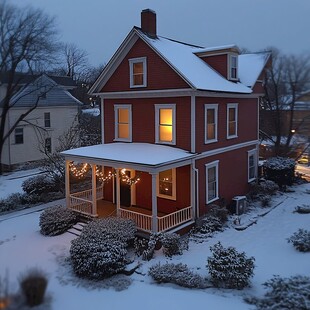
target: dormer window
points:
(137, 72)
(233, 67)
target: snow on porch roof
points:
(145, 154)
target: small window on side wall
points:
(123, 129)
(166, 187)
(232, 120)
(19, 135)
(138, 72)
(47, 119)
(233, 67)
(212, 182)
(252, 165)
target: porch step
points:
(77, 228)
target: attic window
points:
(233, 67)
(137, 68)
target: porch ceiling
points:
(139, 156)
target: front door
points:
(125, 192)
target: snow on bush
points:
(97, 258)
(284, 293)
(280, 170)
(38, 185)
(301, 240)
(229, 268)
(268, 187)
(111, 228)
(178, 274)
(207, 226)
(146, 248)
(303, 209)
(172, 244)
(219, 212)
(265, 201)
(56, 220)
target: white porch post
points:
(154, 204)
(193, 189)
(67, 183)
(94, 190)
(118, 193)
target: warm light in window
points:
(165, 123)
(123, 123)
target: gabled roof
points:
(55, 94)
(251, 66)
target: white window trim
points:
(235, 106)
(215, 108)
(230, 66)
(252, 153)
(165, 106)
(131, 63)
(174, 189)
(116, 108)
(208, 166)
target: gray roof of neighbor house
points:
(47, 90)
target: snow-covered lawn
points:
(22, 246)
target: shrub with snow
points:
(303, 209)
(301, 240)
(208, 226)
(219, 212)
(172, 244)
(113, 228)
(95, 258)
(268, 187)
(229, 268)
(280, 170)
(56, 220)
(39, 184)
(284, 293)
(265, 200)
(146, 248)
(178, 274)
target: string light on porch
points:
(80, 170)
(102, 177)
(126, 179)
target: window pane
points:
(232, 128)
(123, 116)
(19, 135)
(138, 79)
(165, 133)
(251, 167)
(138, 68)
(212, 183)
(210, 132)
(123, 131)
(210, 116)
(232, 114)
(47, 119)
(166, 183)
(165, 116)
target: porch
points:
(82, 203)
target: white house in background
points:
(56, 112)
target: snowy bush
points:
(172, 244)
(219, 212)
(146, 248)
(40, 184)
(268, 187)
(111, 228)
(97, 258)
(229, 268)
(178, 274)
(301, 240)
(265, 200)
(208, 225)
(284, 293)
(56, 220)
(303, 209)
(280, 170)
(12, 202)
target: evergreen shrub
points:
(172, 244)
(56, 220)
(301, 240)
(229, 268)
(40, 184)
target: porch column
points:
(67, 183)
(118, 193)
(154, 204)
(193, 189)
(94, 190)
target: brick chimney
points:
(148, 22)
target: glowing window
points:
(167, 184)
(122, 122)
(211, 123)
(165, 123)
(138, 72)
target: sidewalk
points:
(38, 208)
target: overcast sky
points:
(99, 26)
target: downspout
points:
(197, 192)
(102, 120)
(193, 123)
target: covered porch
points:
(137, 167)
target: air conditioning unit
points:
(241, 204)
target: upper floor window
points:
(47, 119)
(19, 135)
(233, 67)
(211, 122)
(123, 129)
(232, 120)
(165, 123)
(252, 165)
(167, 184)
(138, 72)
(212, 182)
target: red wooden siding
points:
(247, 122)
(159, 74)
(217, 62)
(143, 119)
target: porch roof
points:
(143, 156)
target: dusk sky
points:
(99, 26)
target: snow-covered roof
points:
(144, 154)
(197, 72)
(217, 48)
(250, 67)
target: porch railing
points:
(88, 195)
(143, 221)
(174, 219)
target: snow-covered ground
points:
(22, 246)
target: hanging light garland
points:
(80, 170)
(126, 179)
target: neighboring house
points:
(56, 113)
(179, 130)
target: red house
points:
(179, 130)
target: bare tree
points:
(286, 79)
(27, 43)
